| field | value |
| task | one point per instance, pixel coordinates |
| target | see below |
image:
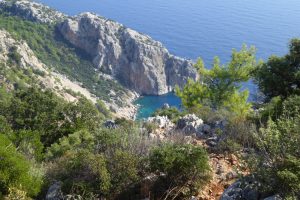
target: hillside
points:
(114, 63)
(67, 129)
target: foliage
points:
(280, 76)
(123, 167)
(16, 194)
(82, 172)
(48, 115)
(14, 56)
(279, 158)
(51, 48)
(185, 166)
(103, 109)
(15, 170)
(29, 143)
(172, 113)
(220, 86)
(74, 142)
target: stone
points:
(110, 124)
(242, 189)
(32, 11)
(275, 197)
(54, 192)
(231, 175)
(190, 124)
(166, 106)
(212, 141)
(136, 60)
(161, 121)
(250, 193)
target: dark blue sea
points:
(200, 28)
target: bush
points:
(14, 55)
(172, 113)
(15, 171)
(279, 76)
(123, 167)
(73, 142)
(186, 168)
(82, 173)
(278, 163)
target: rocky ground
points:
(226, 168)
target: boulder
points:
(54, 192)
(242, 189)
(275, 197)
(110, 124)
(191, 125)
(161, 121)
(166, 106)
(212, 141)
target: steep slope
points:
(32, 11)
(136, 60)
(18, 60)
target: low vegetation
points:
(46, 140)
(50, 47)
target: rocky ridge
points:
(134, 59)
(47, 78)
(32, 11)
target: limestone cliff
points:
(135, 59)
(32, 11)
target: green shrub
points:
(82, 173)
(73, 142)
(278, 163)
(14, 56)
(172, 113)
(15, 171)
(103, 109)
(279, 76)
(123, 167)
(186, 168)
(29, 143)
(50, 47)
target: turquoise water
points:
(203, 28)
(149, 104)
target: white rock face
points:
(136, 60)
(161, 121)
(32, 11)
(191, 125)
(53, 80)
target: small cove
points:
(148, 104)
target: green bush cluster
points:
(172, 113)
(185, 167)
(271, 130)
(15, 170)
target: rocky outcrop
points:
(136, 60)
(46, 78)
(54, 192)
(161, 121)
(32, 11)
(191, 125)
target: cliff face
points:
(32, 11)
(136, 60)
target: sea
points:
(199, 28)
